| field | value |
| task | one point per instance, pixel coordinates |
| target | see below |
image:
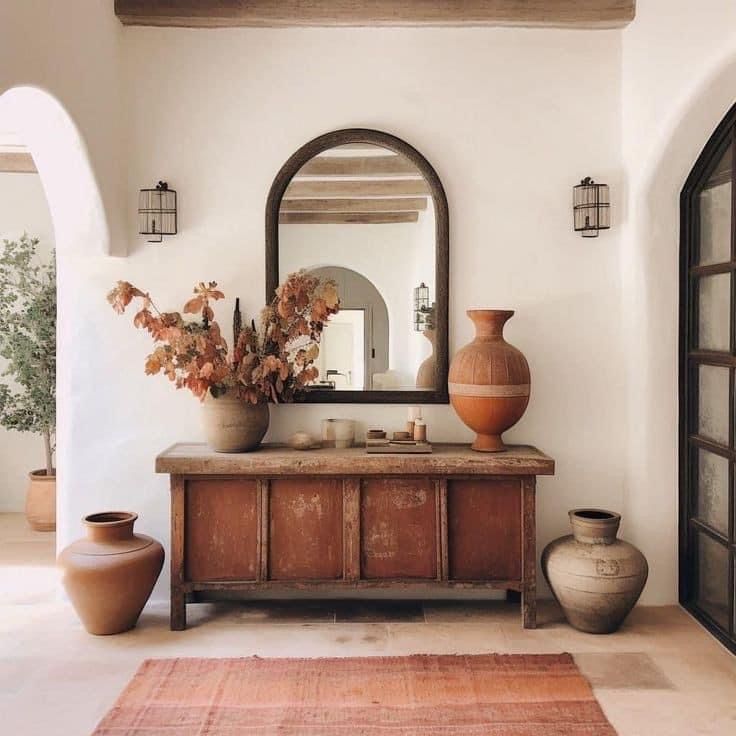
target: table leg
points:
(178, 610)
(178, 595)
(529, 554)
(529, 608)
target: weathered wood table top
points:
(279, 460)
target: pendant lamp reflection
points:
(591, 208)
(157, 212)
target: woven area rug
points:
(492, 695)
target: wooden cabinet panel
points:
(305, 530)
(220, 529)
(398, 528)
(280, 520)
(484, 529)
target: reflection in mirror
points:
(363, 215)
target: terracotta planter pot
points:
(596, 578)
(233, 425)
(41, 501)
(110, 574)
(489, 381)
(427, 373)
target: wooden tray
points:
(398, 448)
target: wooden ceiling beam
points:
(357, 166)
(287, 13)
(345, 188)
(346, 218)
(17, 163)
(385, 204)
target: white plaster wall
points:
(218, 112)
(23, 208)
(498, 112)
(678, 81)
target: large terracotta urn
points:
(110, 574)
(489, 380)
(41, 501)
(232, 424)
(595, 577)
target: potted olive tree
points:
(28, 347)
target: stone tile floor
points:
(660, 675)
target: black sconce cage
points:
(591, 208)
(422, 307)
(157, 212)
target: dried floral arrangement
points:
(270, 361)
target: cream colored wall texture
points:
(509, 122)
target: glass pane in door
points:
(715, 214)
(714, 308)
(712, 491)
(713, 403)
(713, 583)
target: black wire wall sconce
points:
(157, 212)
(591, 208)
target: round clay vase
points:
(427, 373)
(489, 381)
(110, 574)
(41, 501)
(232, 424)
(596, 578)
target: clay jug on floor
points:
(489, 381)
(110, 574)
(41, 501)
(595, 577)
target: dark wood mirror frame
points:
(442, 259)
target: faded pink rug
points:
(420, 695)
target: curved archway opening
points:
(54, 141)
(78, 220)
(707, 370)
(650, 295)
(356, 348)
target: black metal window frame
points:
(691, 357)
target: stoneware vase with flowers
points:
(269, 363)
(489, 381)
(109, 575)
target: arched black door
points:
(707, 404)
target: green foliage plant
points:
(28, 342)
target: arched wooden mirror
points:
(367, 209)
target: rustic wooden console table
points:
(331, 521)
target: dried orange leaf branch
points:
(269, 362)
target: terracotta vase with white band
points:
(489, 380)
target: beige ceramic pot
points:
(489, 381)
(41, 501)
(427, 373)
(596, 578)
(110, 574)
(232, 424)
